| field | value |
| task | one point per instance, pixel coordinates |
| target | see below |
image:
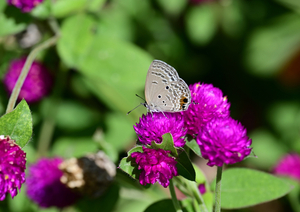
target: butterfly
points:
(165, 91)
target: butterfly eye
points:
(185, 100)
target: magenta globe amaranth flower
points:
(12, 167)
(37, 84)
(156, 166)
(224, 140)
(208, 103)
(153, 127)
(44, 186)
(289, 166)
(25, 5)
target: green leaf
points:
(200, 177)
(59, 9)
(202, 23)
(107, 63)
(69, 48)
(173, 7)
(9, 25)
(184, 166)
(120, 123)
(166, 144)
(129, 165)
(232, 19)
(74, 147)
(63, 8)
(267, 148)
(194, 147)
(69, 112)
(263, 57)
(162, 205)
(243, 187)
(17, 124)
(95, 5)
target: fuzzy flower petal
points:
(208, 103)
(12, 167)
(37, 84)
(289, 166)
(151, 128)
(44, 186)
(25, 5)
(224, 140)
(156, 166)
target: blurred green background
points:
(248, 49)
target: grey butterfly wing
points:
(164, 90)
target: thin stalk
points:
(32, 55)
(218, 189)
(193, 187)
(174, 198)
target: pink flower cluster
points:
(12, 167)
(25, 5)
(221, 139)
(156, 166)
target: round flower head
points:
(36, 85)
(25, 5)
(153, 127)
(224, 140)
(44, 186)
(289, 166)
(12, 167)
(156, 166)
(208, 103)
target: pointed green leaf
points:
(243, 187)
(166, 144)
(17, 124)
(184, 166)
(194, 147)
(129, 165)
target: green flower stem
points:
(174, 198)
(32, 55)
(196, 194)
(218, 190)
(191, 189)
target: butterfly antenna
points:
(135, 107)
(140, 97)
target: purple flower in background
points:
(25, 5)
(151, 128)
(44, 186)
(202, 188)
(156, 166)
(289, 166)
(12, 167)
(224, 140)
(209, 103)
(37, 84)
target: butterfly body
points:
(165, 91)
